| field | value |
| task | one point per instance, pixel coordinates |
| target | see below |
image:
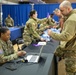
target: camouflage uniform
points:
(6, 51)
(9, 22)
(50, 23)
(67, 47)
(31, 31)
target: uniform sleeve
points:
(43, 27)
(50, 22)
(67, 33)
(33, 31)
(4, 58)
(39, 21)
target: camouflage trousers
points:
(27, 40)
(69, 57)
(70, 66)
(69, 73)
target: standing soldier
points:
(67, 47)
(61, 18)
(9, 22)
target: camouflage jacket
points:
(31, 28)
(6, 51)
(68, 33)
(9, 21)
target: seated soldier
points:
(9, 22)
(7, 52)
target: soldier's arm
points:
(43, 27)
(4, 58)
(47, 20)
(50, 22)
(66, 34)
(39, 21)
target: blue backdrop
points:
(44, 9)
(20, 12)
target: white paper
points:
(41, 43)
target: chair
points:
(20, 41)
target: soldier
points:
(61, 18)
(49, 24)
(6, 48)
(31, 31)
(67, 38)
(9, 22)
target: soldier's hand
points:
(55, 26)
(47, 27)
(42, 39)
(21, 53)
(49, 32)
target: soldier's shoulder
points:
(30, 21)
(72, 17)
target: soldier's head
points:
(57, 12)
(8, 15)
(65, 7)
(33, 14)
(4, 34)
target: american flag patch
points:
(1, 51)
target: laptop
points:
(34, 58)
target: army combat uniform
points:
(9, 22)
(6, 51)
(45, 25)
(31, 32)
(67, 47)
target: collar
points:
(33, 18)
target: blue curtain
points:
(74, 5)
(44, 9)
(18, 12)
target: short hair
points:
(3, 30)
(51, 15)
(66, 3)
(32, 12)
(56, 10)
